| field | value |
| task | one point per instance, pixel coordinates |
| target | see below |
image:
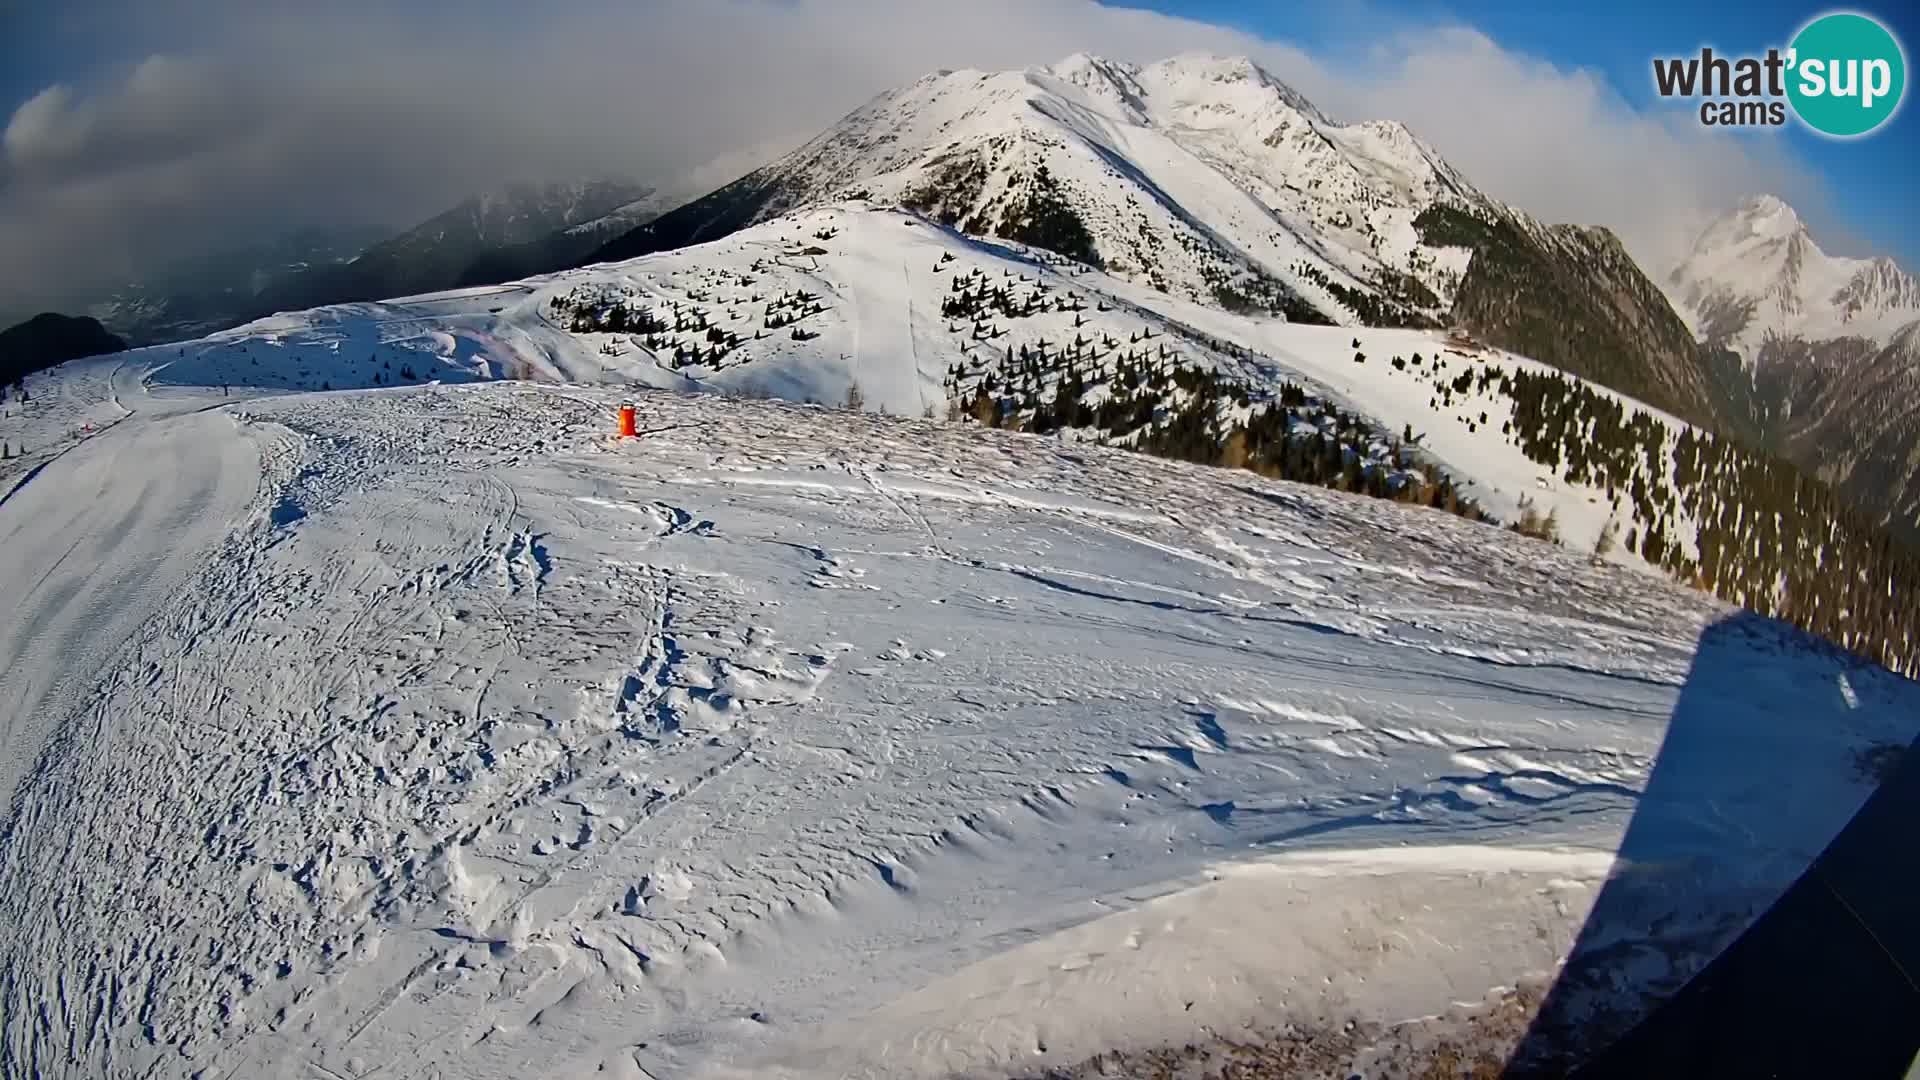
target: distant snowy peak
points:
(1828, 347)
(1212, 103)
(1755, 274)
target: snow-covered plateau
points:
(432, 731)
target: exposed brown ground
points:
(1466, 1043)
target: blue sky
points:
(1872, 180)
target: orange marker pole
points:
(627, 430)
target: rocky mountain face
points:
(1573, 297)
(1826, 350)
(1848, 410)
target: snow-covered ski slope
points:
(791, 741)
(864, 288)
(96, 555)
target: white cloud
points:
(42, 127)
(1561, 143)
(267, 115)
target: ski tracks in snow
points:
(884, 356)
(394, 718)
(493, 744)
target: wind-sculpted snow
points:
(488, 745)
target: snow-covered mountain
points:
(519, 213)
(625, 217)
(1188, 258)
(1203, 176)
(1755, 274)
(1847, 409)
(1209, 180)
(1829, 348)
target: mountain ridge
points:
(49, 339)
(1134, 152)
(1210, 179)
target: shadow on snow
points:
(1741, 798)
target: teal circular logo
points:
(1847, 74)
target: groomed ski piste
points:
(432, 731)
